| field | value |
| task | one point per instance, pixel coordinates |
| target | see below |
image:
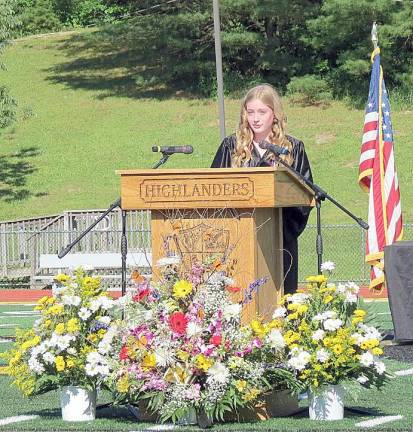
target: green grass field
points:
(82, 116)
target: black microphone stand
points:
(123, 241)
(319, 195)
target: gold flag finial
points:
(374, 37)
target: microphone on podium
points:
(173, 149)
(265, 145)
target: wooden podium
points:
(234, 213)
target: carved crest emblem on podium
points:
(202, 239)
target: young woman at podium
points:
(263, 121)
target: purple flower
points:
(253, 288)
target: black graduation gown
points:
(294, 218)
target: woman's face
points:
(260, 119)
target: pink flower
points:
(178, 322)
(216, 340)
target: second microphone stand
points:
(319, 196)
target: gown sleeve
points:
(295, 218)
(222, 157)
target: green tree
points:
(341, 39)
(7, 23)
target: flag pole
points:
(374, 37)
(218, 63)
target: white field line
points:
(7, 325)
(404, 372)
(378, 421)
(161, 427)
(29, 312)
(4, 341)
(383, 313)
(17, 419)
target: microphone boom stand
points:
(320, 195)
(124, 240)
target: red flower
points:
(216, 340)
(178, 322)
(123, 355)
(141, 295)
(233, 289)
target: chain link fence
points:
(22, 245)
(344, 244)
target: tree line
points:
(317, 48)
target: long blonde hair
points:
(267, 94)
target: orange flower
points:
(217, 264)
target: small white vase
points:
(327, 403)
(189, 419)
(78, 404)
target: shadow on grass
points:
(110, 412)
(124, 60)
(14, 171)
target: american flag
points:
(378, 177)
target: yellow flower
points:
(303, 327)
(60, 363)
(202, 362)
(302, 309)
(30, 343)
(240, 385)
(316, 279)
(177, 374)
(93, 337)
(47, 323)
(182, 355)
(328, 299)
(123, 384)
(292, 316)
(290, 337)
(73, 325)
(257, 327)
(56, 309)
(359, 313)
(62, 277)
(356, 320)
(283, 299)
(149, 361)
(70, 363)
(377, 351)
(251, 394)
(182, 288)
(60, 328)
(338, 349)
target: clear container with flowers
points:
(68, 346)
(329, 343)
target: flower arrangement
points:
(327, 339)
(181, 345)
(70, 342)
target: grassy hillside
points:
(83, 116)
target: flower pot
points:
(281, 403)
(190, 418)
(327, 403)
(78, 404)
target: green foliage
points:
(37, 16)
(7, 23)
(309, 90)
(343, 43)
